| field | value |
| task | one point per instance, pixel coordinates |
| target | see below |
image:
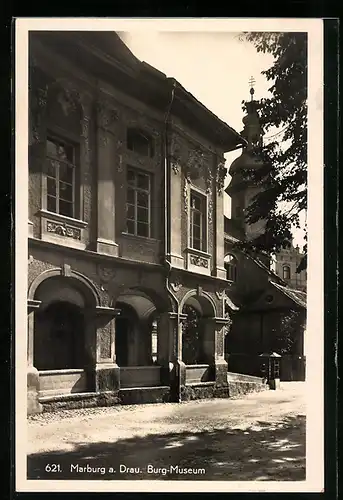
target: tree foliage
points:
(284, 175)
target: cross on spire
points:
(252, 82)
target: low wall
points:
(198, 373)
(140, 376)
(54, 382)
(292, 367)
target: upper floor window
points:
(139, 142)
(138, 203)
(286, 270)
(60, 177)
(230, 264)
(198, 229)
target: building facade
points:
(126, 229)
(286, 264)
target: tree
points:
(284, 175)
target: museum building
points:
(133, 277)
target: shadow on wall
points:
(264, 452)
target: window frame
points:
(59, 139)
(136, 190)
(145, 135)
(231, 266)
(287, 268)
(203, 220)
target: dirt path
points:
(259, 437)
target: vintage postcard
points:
(169, 255)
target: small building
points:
(286, 264)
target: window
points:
(286, 272)
(198, 230)
(230, 264)
(60, 177)
(139, 143)
(138, 203)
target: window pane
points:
(130, 196)
(51, 148)
(143, 215)
(130, 175)
(66, 192)
(196, 202)
(130, 211)
(143, 181)
(66, 208)
(51, 186)
(138, 142)
(196, 232)
(51, 204)
(130, 226)
(51, 167)
(142, 229)
(69, 153)
(196, 218)
(142, 199)
(196, 243)
(66, 173)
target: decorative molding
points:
(186, 193)
(106, 115)
(62, 219)
(106, 274)
(63, 230)
(176, 167)
(196, 260)
(221, 294)
(210, 209)
(221, 174)
(176, 285)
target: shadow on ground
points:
(265, 451)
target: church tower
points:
(242, 189)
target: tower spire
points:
(252, 82)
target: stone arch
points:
(205, 300)
(230, 264)
(78, 278)
(133, 338)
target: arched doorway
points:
(136, 339)
(59, 337)
(192, 333)
(64, 333)
(198, 311)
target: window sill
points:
(62, 219)
(201, 253)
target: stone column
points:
(106, 372)
(213, 344)
(169, 357)
(33, 405)
(106, 154)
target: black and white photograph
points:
(169, 255)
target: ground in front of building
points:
(260, 437)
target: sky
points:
(215, 67)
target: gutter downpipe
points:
(167, 227)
